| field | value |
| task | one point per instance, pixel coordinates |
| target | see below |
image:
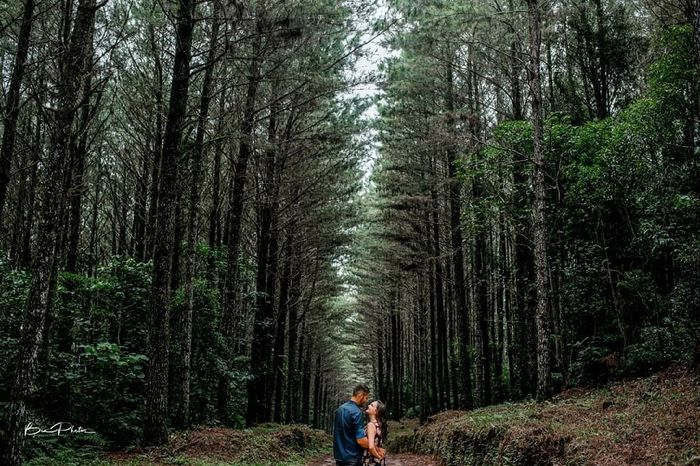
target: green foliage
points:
(99, 344)
(106, 390)
(14, 285)
(624, 213)
(121, 293)
(672, 77)
(94, 374)
(207, 355)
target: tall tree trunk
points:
(317, 393)
(515, 87)
(439, 303)
(21, 256)
(175, 268)
(482, 305)
(381, 363)
(388, 343)
(78, 157)
(140, 199)
(15, 246)
(122, 219)
(453, 365)
(229, 318)
(155, 428)
(44, 266)
(281, 327)
(260, 381)
(12, 101)
(305, 349)
(434, 352)
(513, 325)
(292, 412)
(157, 145)
(503, 309)
(422, 374)
(94, 217)
(270, 300)
(539, 225)
(462, 313)
(215, 213)
(183, 410)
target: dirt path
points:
(391, 460)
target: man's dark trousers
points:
(357, 462)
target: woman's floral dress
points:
(368, 459)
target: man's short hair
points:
(360, 388)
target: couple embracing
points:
(357, 442)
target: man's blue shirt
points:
(348, 427)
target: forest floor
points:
(391, 460)
(266, 445)
(271, 445)
(647, 421)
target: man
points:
(349, 436)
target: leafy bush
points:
(14, 285)
(107, 387)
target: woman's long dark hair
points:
(381, 418)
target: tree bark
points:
(317, 393)
(78, 158)
(21, 255)
(439, 303)
(305, 349)
(281, 327)
(182, 418)
(215, 213)
(12, 101)
(462, 313)
(539, 225)
(155, 425)
(292, 411)
(434, 352)
(140, 199)
(262, 378)
(157, 146)
(482, 305)
(229, 317)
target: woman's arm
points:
(371, 433)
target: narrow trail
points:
(391, 460)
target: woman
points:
(377, 431)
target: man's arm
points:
(360, 434)
(363, 442)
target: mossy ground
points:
(650, 421)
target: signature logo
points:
(58, 429)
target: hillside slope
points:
(651, 421)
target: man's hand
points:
(382, 453)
